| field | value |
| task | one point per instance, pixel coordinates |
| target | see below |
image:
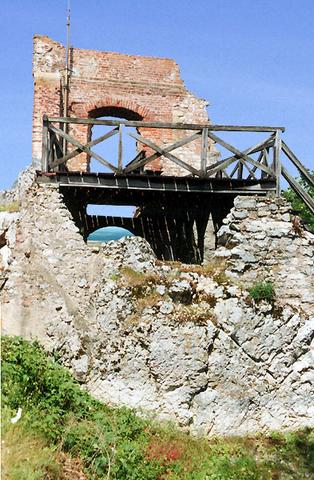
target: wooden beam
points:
(44, 145)
(277, 162)
(239, 154)
(253, 149)
(305, 197)
(139, 156)
(265, 160)
(260, 159)
(169, 148)
(164, 152)
(77, 151)
(120, 148)
(235, 169)
(176, 126)
(240, 170)
(296, 162)
(204, 150)
(85, 149)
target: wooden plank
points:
(44, 146)
(235, 169)
(120, 148)
(77, 151)
(277, 162)
(251, 173)
(240, 170)
(239, 154)
(260, 159)
(177, 126)
(305, 197)
(296, 162)
(169, 148)
(57, 144)
(164, 152)
(212, 169)
(265, 161)
(137, 157)
(204, 150)
(85, 149)
(253, 149)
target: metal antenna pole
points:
(66, 86)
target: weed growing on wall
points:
(262, 291)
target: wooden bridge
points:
(172, 210)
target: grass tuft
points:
(262, 291)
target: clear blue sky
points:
(253, 60)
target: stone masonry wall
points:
(180, 342)
(260, 242)
(113, 84)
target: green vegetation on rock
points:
(64, 430)
(262, 291)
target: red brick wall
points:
(146, 88)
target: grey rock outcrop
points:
(181, 342)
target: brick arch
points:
(115, 107)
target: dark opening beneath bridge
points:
(172, 213)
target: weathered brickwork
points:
(113, 84)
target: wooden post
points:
(45, 143)
(120, 149)
(277, 162)
(204, 150)
(240, 170)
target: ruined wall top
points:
(111, 84)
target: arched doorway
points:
(110, 147)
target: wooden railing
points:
(240, 165)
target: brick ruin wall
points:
(114, 84)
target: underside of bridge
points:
(172, 212)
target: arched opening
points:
(107, 234)
(110, 147)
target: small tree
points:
(298, 205)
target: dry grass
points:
(25, 456)
(196, 313)
(10, 207)
(148, 301)
(140, 283)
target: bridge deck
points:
(156, 183)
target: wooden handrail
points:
(175, 126)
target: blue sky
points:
(251, 59)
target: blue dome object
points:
(106, 234)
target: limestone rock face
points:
(186, 343)
(259, 241)
(8, 222)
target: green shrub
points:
(59, 421)
(262, 291)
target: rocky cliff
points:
(189, 343)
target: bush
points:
(262, 291)
(62, 425)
